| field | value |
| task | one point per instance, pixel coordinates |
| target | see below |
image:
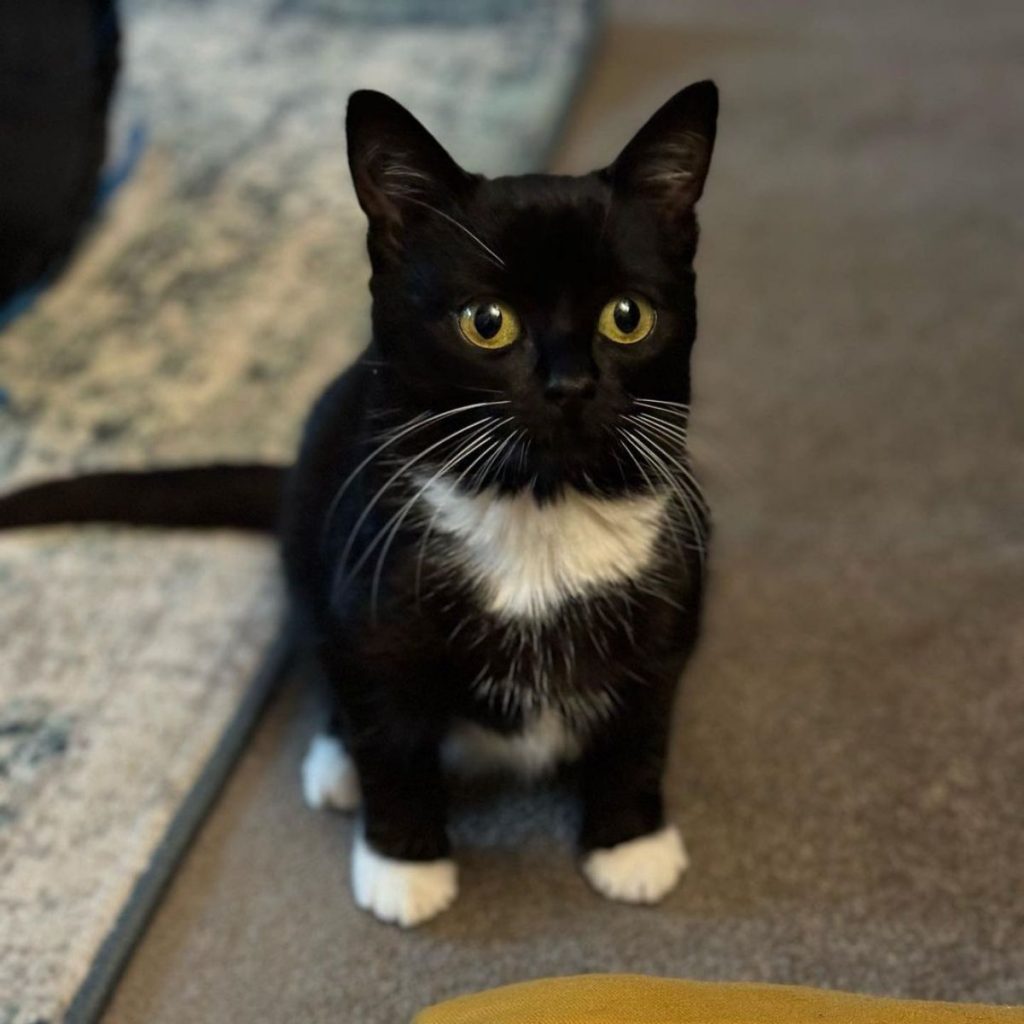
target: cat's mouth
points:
(599, 447)
(637, 449)
(548, 463)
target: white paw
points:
(329, 776)
(642, 870)
(404, 892)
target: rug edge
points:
(92, 995)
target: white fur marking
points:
(329, 776)
(531, 558)
(641, 870)
(401, 892)
(540, 746)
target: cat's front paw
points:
(642, 870)
(329, 777)
(402, 892)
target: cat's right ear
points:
(398, 168)
(667, 161)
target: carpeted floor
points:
(225, 284)
(849, 756)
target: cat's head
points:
(566, 302)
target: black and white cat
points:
(492, 533)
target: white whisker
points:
(682, 477)
(629, 451)
(495, 258)
(684, 470)
(669, 430)
(662, 403)
(416, 423)
(421, 552)
(394, 524)
(400, 472)
(658, 463)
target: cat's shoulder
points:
(344, 398)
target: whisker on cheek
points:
(679, 480)
(390, 529)
(670, 408)
(418, 422)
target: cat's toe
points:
(329, 776)
(642, 870)
(401, 892)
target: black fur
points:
(246, 497)
(404, 637)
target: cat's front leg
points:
(630, 853)
(382, 753)
(402, 870)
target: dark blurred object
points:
(58, 63)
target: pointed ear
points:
(668, 159)
(398, 168)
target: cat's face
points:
(567, 302)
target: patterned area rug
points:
(224, 286)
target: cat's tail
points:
(240, 496)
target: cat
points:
(492, 535)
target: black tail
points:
(246, 497)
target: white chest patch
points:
(542, 745)
(530, 559)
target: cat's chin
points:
(548, 477)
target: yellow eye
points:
(489, 324)
(627, 319)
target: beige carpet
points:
(849, 759)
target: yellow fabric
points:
(632, 999)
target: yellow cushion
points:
(633, 999)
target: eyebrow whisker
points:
(462, 227)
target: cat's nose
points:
(562, 388)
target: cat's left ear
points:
(398, 168)
(668, 159)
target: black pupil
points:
(487, 320)
(627, 316)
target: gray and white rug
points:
(224, 286)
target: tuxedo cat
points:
(492, 533)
